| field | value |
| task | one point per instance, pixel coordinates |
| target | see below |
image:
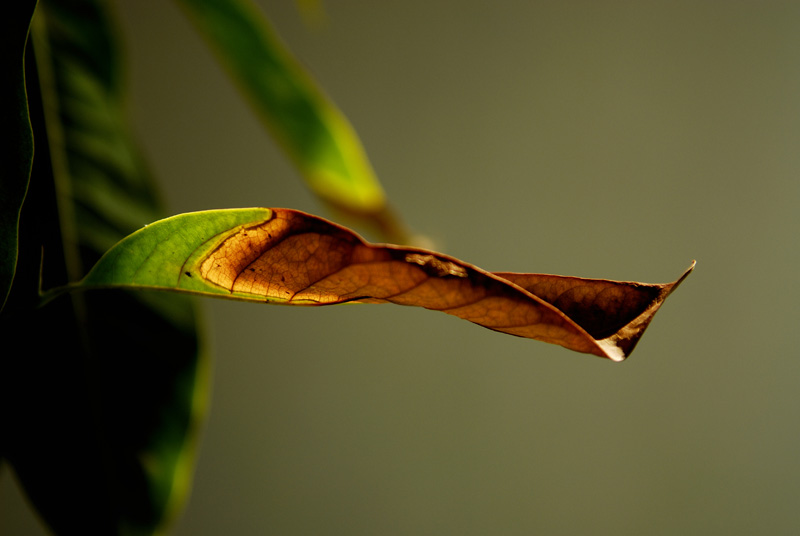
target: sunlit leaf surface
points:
(290, 257)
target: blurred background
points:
(600, 139)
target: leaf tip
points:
(620, 345)
(685, 274)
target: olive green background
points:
(600, 139)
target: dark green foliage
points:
(100, 404)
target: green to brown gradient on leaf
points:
(290, 257)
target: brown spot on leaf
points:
(435, 266)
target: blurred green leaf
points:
(17, 150)
(102, 399)
(312, 11)
(309, 126)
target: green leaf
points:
(101, 407)
(166, 255)
(309, 126)
(17, 149)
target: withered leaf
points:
(296, 258)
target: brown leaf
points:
(298, 258)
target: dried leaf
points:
(287, 256)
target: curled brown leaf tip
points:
(298, 258)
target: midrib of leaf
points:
(51, 107)
(17, 149)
